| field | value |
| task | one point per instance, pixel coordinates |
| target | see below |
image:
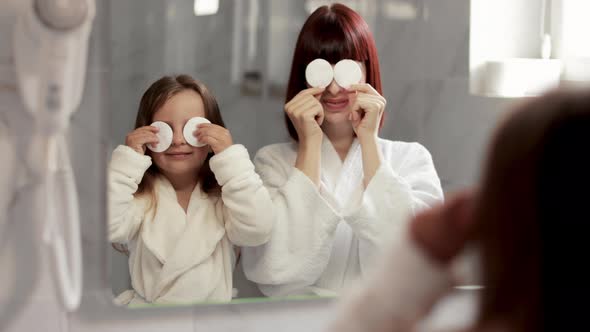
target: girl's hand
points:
(367, 111)
(443, 230)
(217, 137)
(306, 114)
(138, 138)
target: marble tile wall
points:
(425, 73)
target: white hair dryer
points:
(50, 51)
(6, 176)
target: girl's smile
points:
(178, 155)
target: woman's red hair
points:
(332, 33)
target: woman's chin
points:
(340, 118)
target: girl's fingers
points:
(142, 138)
(151, 139)
(209, 140)
(212, 131)
(148, 129)
(207, 125)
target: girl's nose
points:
(178, 138)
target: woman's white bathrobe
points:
(325, 239)
(399, 294)
(178, 257)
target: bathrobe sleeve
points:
(301, 242)
(126, 212)
(248, 219)
(394, 194)
(395, 296)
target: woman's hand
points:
(443, 230)
(217, 137)
(307, 114)
(140, 137)
(367, 111)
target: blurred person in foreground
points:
(528, 219)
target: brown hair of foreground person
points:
(531, 216)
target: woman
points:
(529, 220)
(338, 190)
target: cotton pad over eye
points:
(319, 74)
(347, 72)
(190, 127)
(164, 137)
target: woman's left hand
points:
(217, 137)
(443, 230)
(367, 111)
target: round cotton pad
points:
(190, 127)
(347, 72)
(164, 137)
(319, 73)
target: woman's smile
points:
(335, 104)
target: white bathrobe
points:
(325, 239)
(178, 257)
(399, 294)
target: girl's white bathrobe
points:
(177, 256)
(325, 239)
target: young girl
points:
(179, 211)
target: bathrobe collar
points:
(341, 184)
(180, 240)
(341, 178)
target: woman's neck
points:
(341, 139)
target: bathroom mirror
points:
(242, 51)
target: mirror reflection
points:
(248, 155)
